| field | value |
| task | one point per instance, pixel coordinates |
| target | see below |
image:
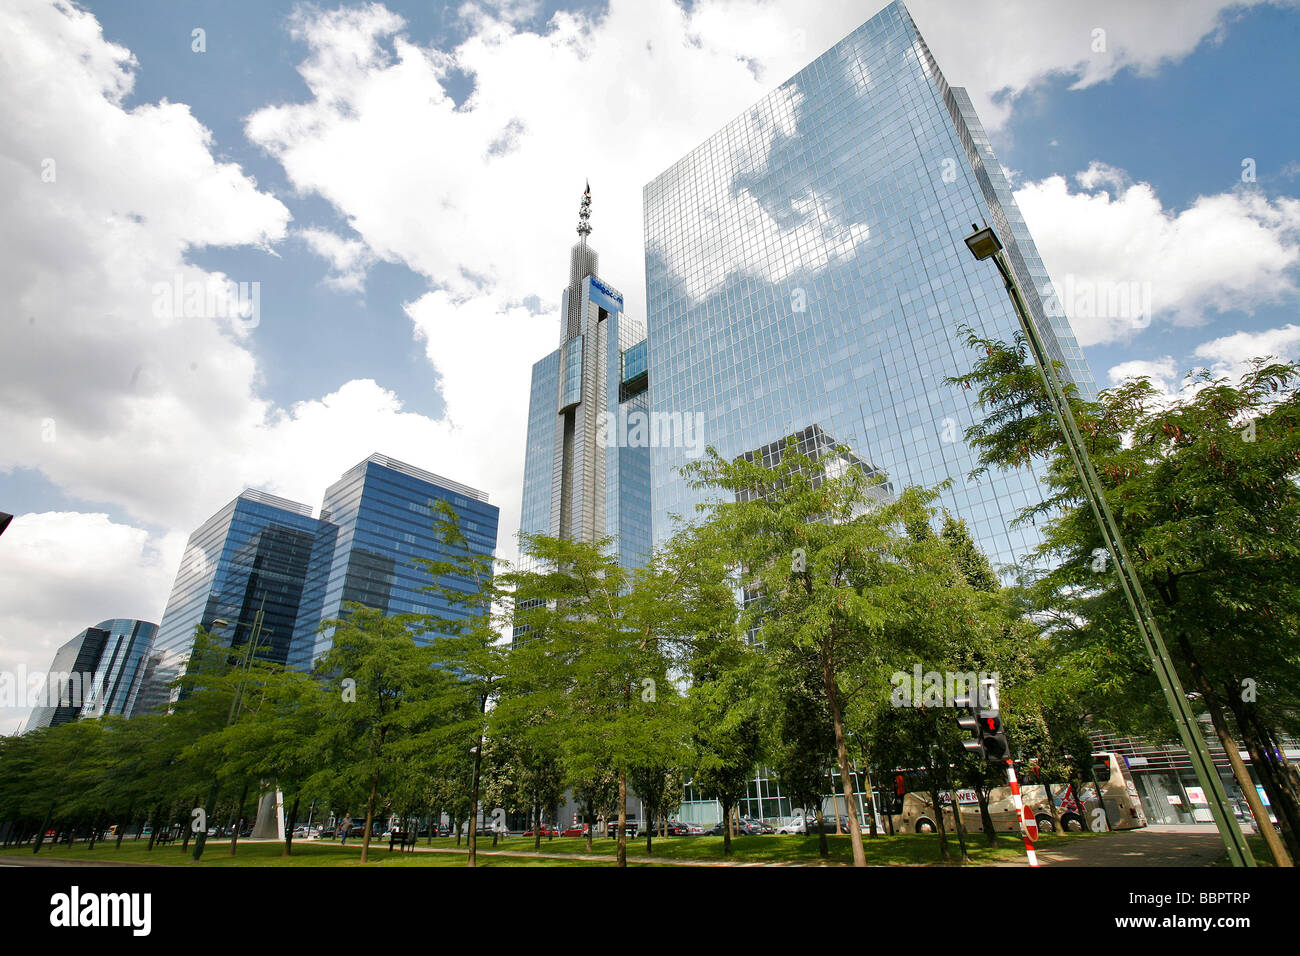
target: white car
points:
(796, 825)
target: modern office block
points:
(586, 467)
(70, 673)
(120, 670)
(374, 521)
(805, 266)
(250, 557)
(270, 557)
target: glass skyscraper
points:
(805, 269)
(373, 522)
(121, 667)
(266, 554)
(586, 466)
(67, 680)
(250, 556)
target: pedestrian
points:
(344, 827)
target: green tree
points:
(1202, 486)
(834, 574)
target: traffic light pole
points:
(1238, 851)
(1020, 811)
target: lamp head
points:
(983, 243)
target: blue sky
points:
(402, 180)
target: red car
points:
(575, 831)
(547, 831)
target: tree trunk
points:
(726, 827)
(122, 825)
(622, 817)
(293, 822)
(842, 754)
(1274, 842)
(1274, 778)
(239, 819)
(40, 834)
(153, 833)
(370, 814)
(986, 819)
(957, 822)
(870, 793)
(938, 820)
(473, 804)
(1047, 794)
(537, 824)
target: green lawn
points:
(911, 849)
(902, 850)
(305, 853)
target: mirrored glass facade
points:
(805, 267)
(266, 554)
(374, 521)
(121, 666)
(68, 679)
(251, 555)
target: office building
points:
(373, 522)
(120, 669)
(805, 267)
(266, 557)
(70, 675)
(587, 461)
(250, 557)
(807, 276)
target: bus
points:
(912, 810)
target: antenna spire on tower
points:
(584, 214)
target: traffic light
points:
(984, 724)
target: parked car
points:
(575, 831)
(796, 825)
(547, 831)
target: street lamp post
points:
(984, 244)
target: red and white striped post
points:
(1028, 825)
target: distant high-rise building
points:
(96, 673)
(250, 556)
(70, 674)
(120, 670)
(586, 469)
(373, 522)
(805, 267)
(270, 556)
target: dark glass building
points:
(121, 667)
(250, 556)
(374, 522)
(98, 672)
(268, 555)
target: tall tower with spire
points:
(582, 481)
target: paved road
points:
(1157, 845)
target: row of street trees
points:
(770, 630)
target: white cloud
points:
(61, 572)
(1161, 371)
(1001, 49)
(349, 259)
(1234, 250)
(1231, 355)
